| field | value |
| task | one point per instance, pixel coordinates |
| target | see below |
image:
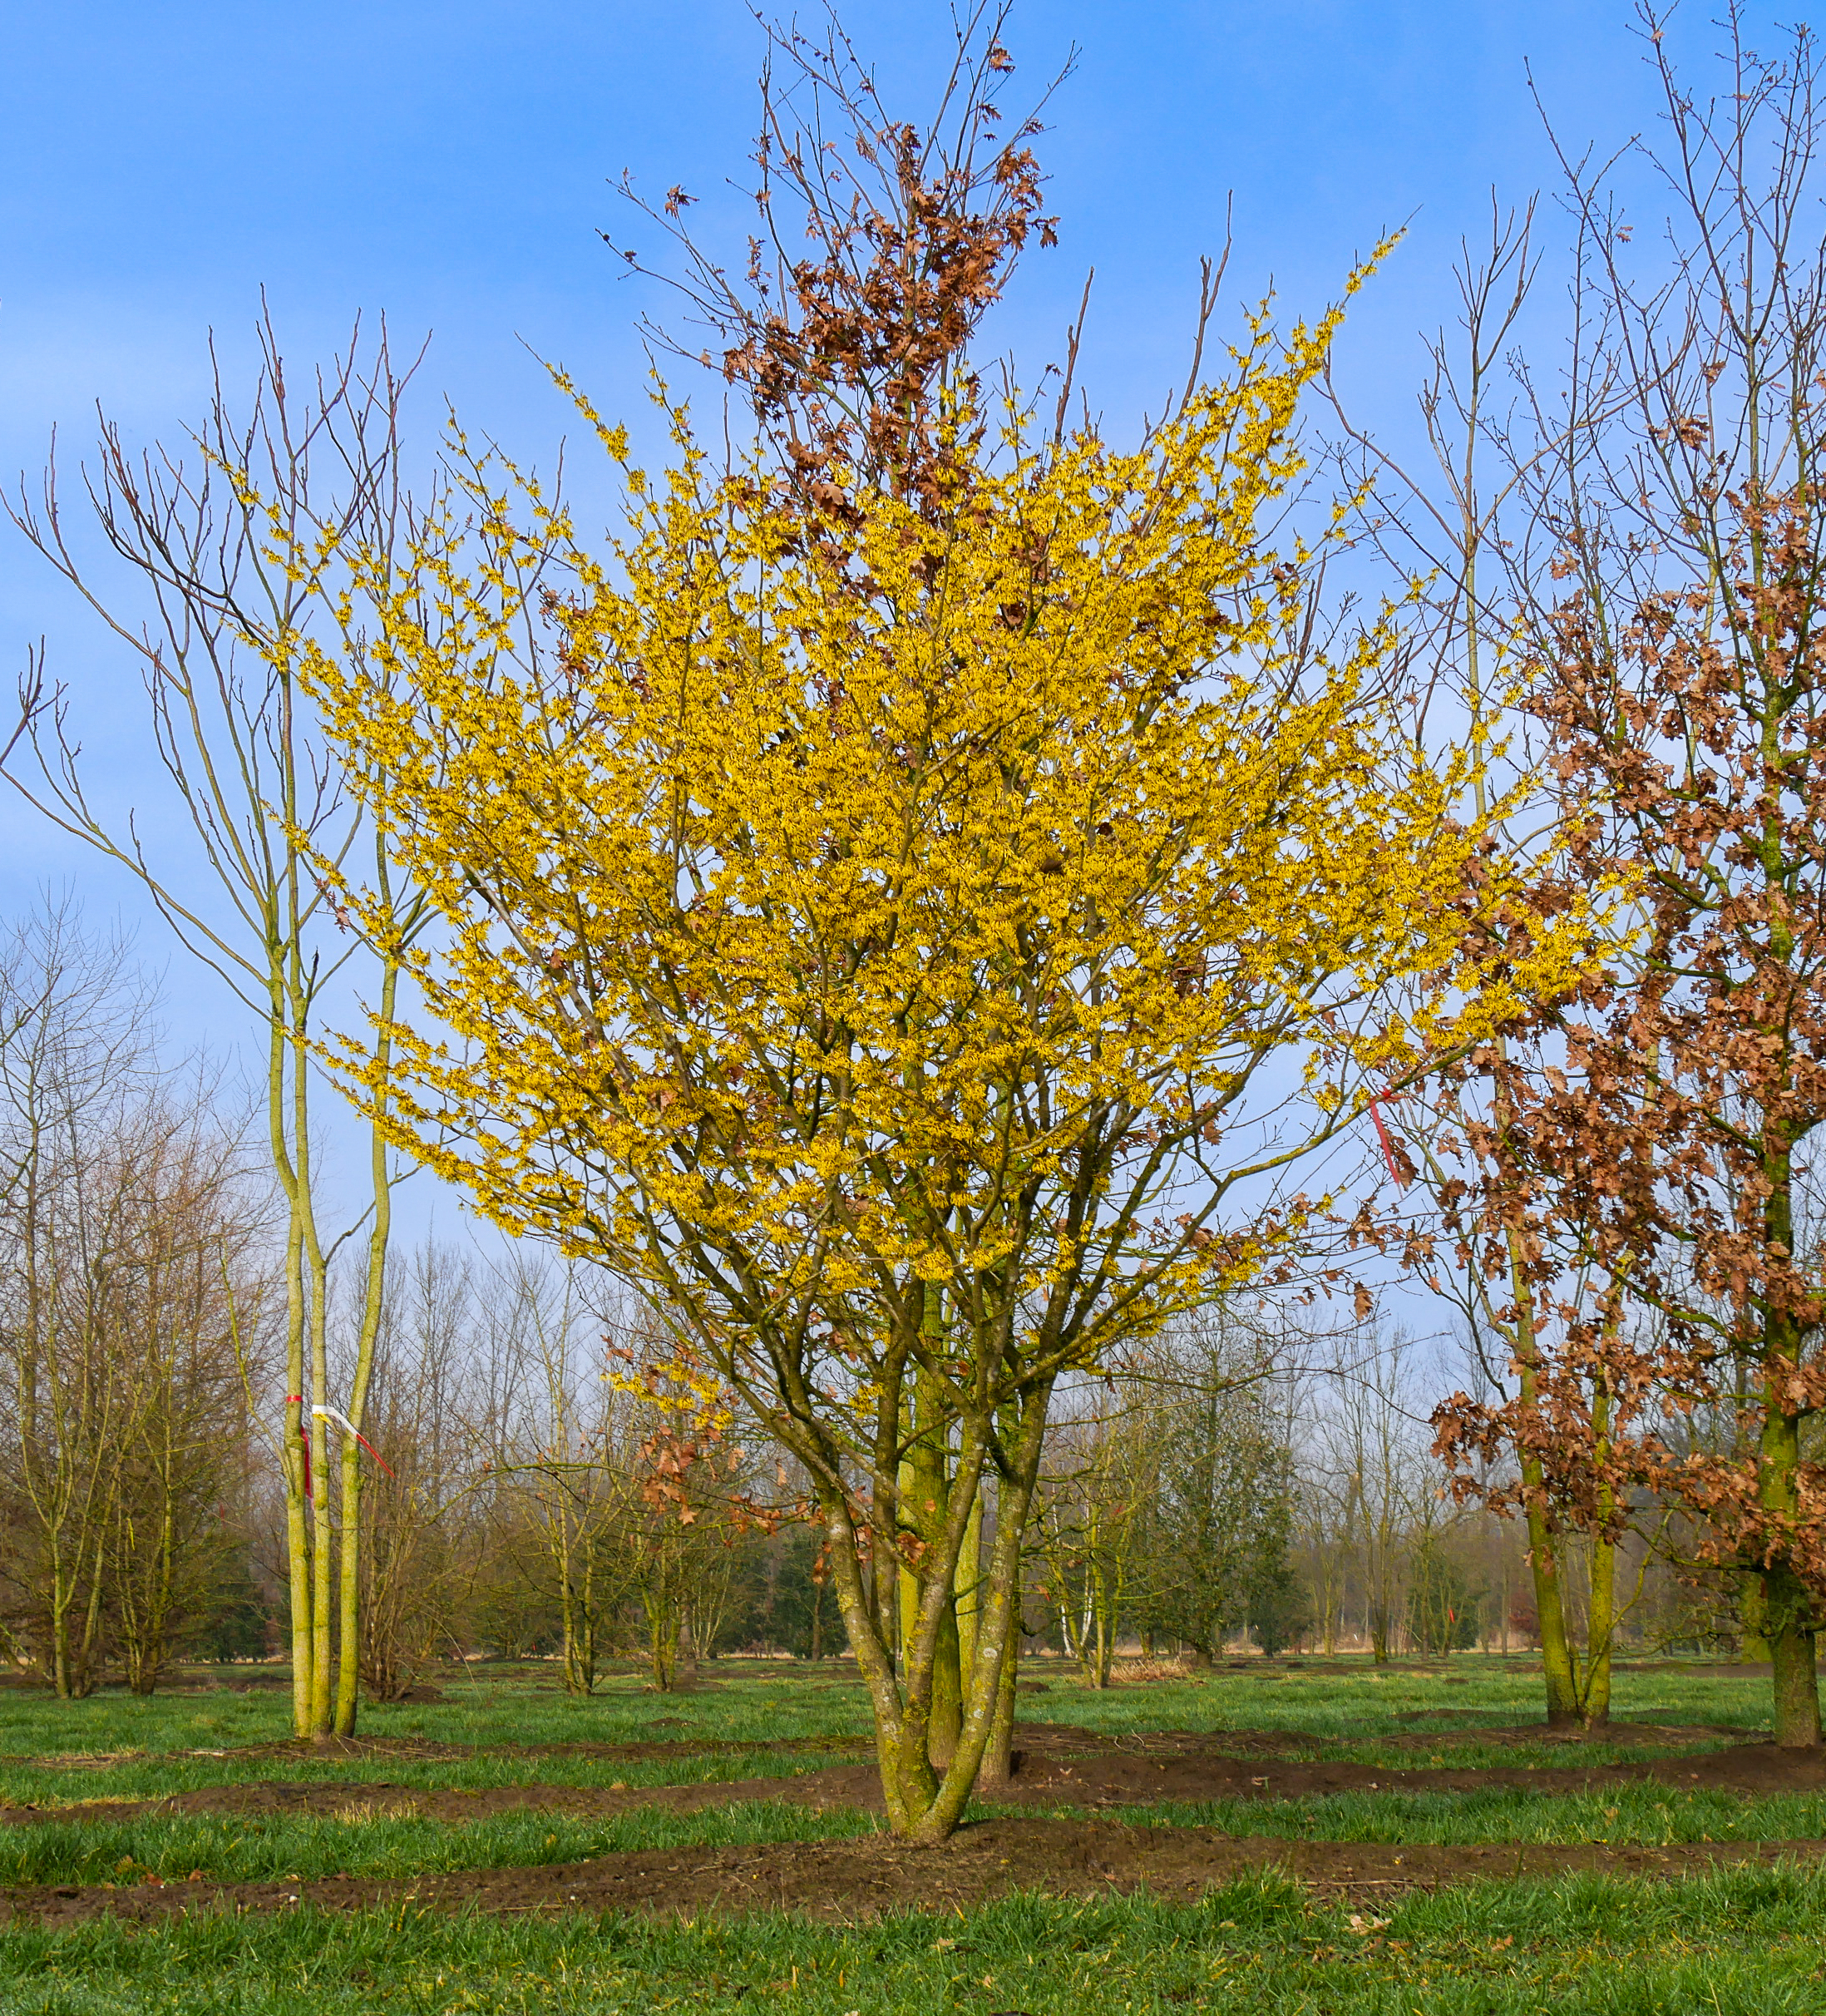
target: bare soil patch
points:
(423, 1750)
(850, 1879)
(1055, 1766)
(1112, 1780)
(1462, 1726)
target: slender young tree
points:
(215, 630)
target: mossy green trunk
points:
(1788, 1604)
(1753, 1620)
(1789, 1612)
(1792, 1659)
(925, 1486)
(1595, 1692)
(1556, 1668)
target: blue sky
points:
(449, 164)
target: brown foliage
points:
(1660, 1156)
(850, 351)
(1634, 1185)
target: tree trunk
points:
(925, 1486)
(580, 1624)
(1788, 1604)
(969, 1571)
(145, 1644)
(1595, 1692)
(1562, 1693)
(380, 1233)
(294, 1460)
(1557, 1665)
(921, 1805)
(1753, 1620)
(998, 1752)
(1601, 1618)
(349, 1593)
(1792, 1656)
(947, 1717)
(662, 1625)
(322, 1532)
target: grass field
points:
(563, 1790)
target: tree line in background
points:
(919, 919)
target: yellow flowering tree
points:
(905, 946)
(910, 900)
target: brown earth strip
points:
(1057, 1739)
(844, 1880)
(422, 1750)
(1462, 1726)
(1081, 1780)
(1093, 1781)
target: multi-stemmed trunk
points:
(926, 1794)
(925, 1496)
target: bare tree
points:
(560, 1462)
(1099, 1475)
(215, 619)
(1376, 1439)
(187, 1303)
(418, 1543)
(129, 1280)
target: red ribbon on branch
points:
(343, 1422)
(1387, 1149)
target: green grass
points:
(155, 1777)
(764, 1701)
(1743, 1944)
(1347, 1697)
(236, 1848)
(748, 1708)
(1752, 1940)
(761, 1704)
(1638, 1813)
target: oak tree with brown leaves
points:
(1656, 1129)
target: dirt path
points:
(842, 1881)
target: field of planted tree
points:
(1015, 1213)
